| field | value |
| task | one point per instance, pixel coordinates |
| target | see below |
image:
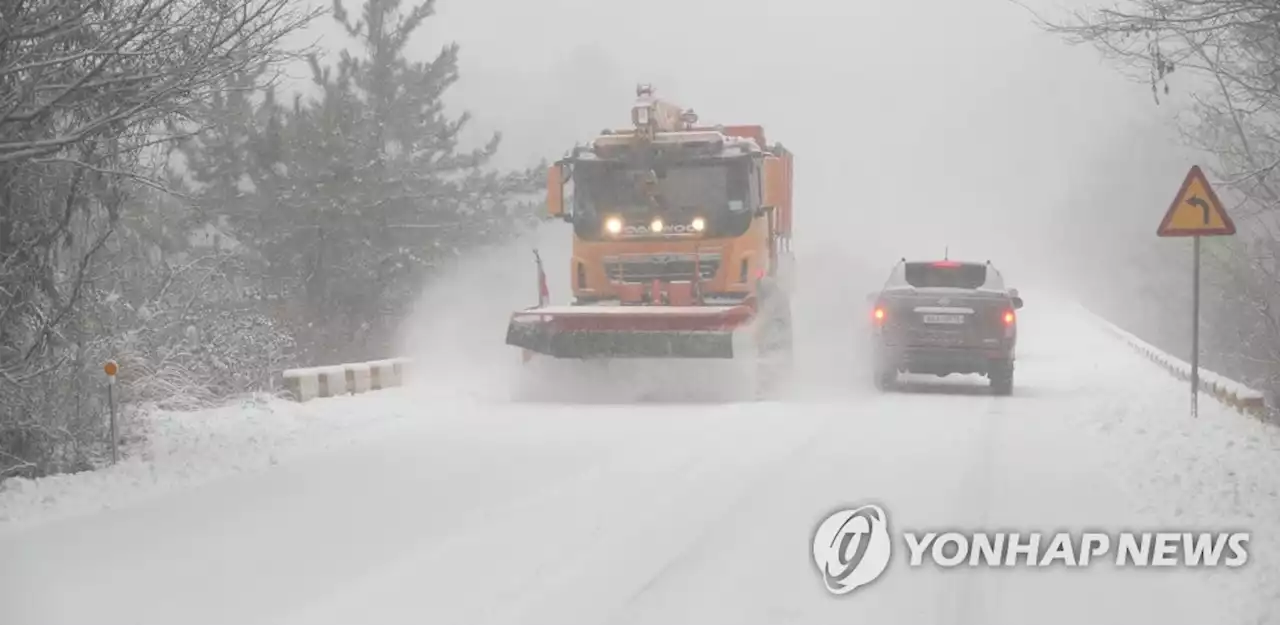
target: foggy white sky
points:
(916, 124)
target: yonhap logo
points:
(852, 548)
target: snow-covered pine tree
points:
(360, 190)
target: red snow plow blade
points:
(619, 331)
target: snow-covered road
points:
(476, 512)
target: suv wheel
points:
(1001, 377)
(885, 377)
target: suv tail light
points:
(878, 314)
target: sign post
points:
(1195, 212)
(110, 369)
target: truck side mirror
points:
(1017, 302)
(774, 194)
(555, 190)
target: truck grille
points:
(664, 267)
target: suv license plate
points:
(950, 319)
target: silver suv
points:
(943, 317)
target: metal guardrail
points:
(1220, 387)
(305, 384)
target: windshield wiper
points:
(648, 184)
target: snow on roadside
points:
(1219, 471)
(185, 449)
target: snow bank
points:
(1220, 387)
(184, 449)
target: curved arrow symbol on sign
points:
(1200, 204)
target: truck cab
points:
(703, 212)
(681, 247)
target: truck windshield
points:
(721, 193)
(672, 191)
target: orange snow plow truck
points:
(681, 244)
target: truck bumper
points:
(635, 332)
(622, 344)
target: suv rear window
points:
(953, 276)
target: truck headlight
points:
(698, 224)
(656, 226)
(613, 225)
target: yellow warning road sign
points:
(1196, 211)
